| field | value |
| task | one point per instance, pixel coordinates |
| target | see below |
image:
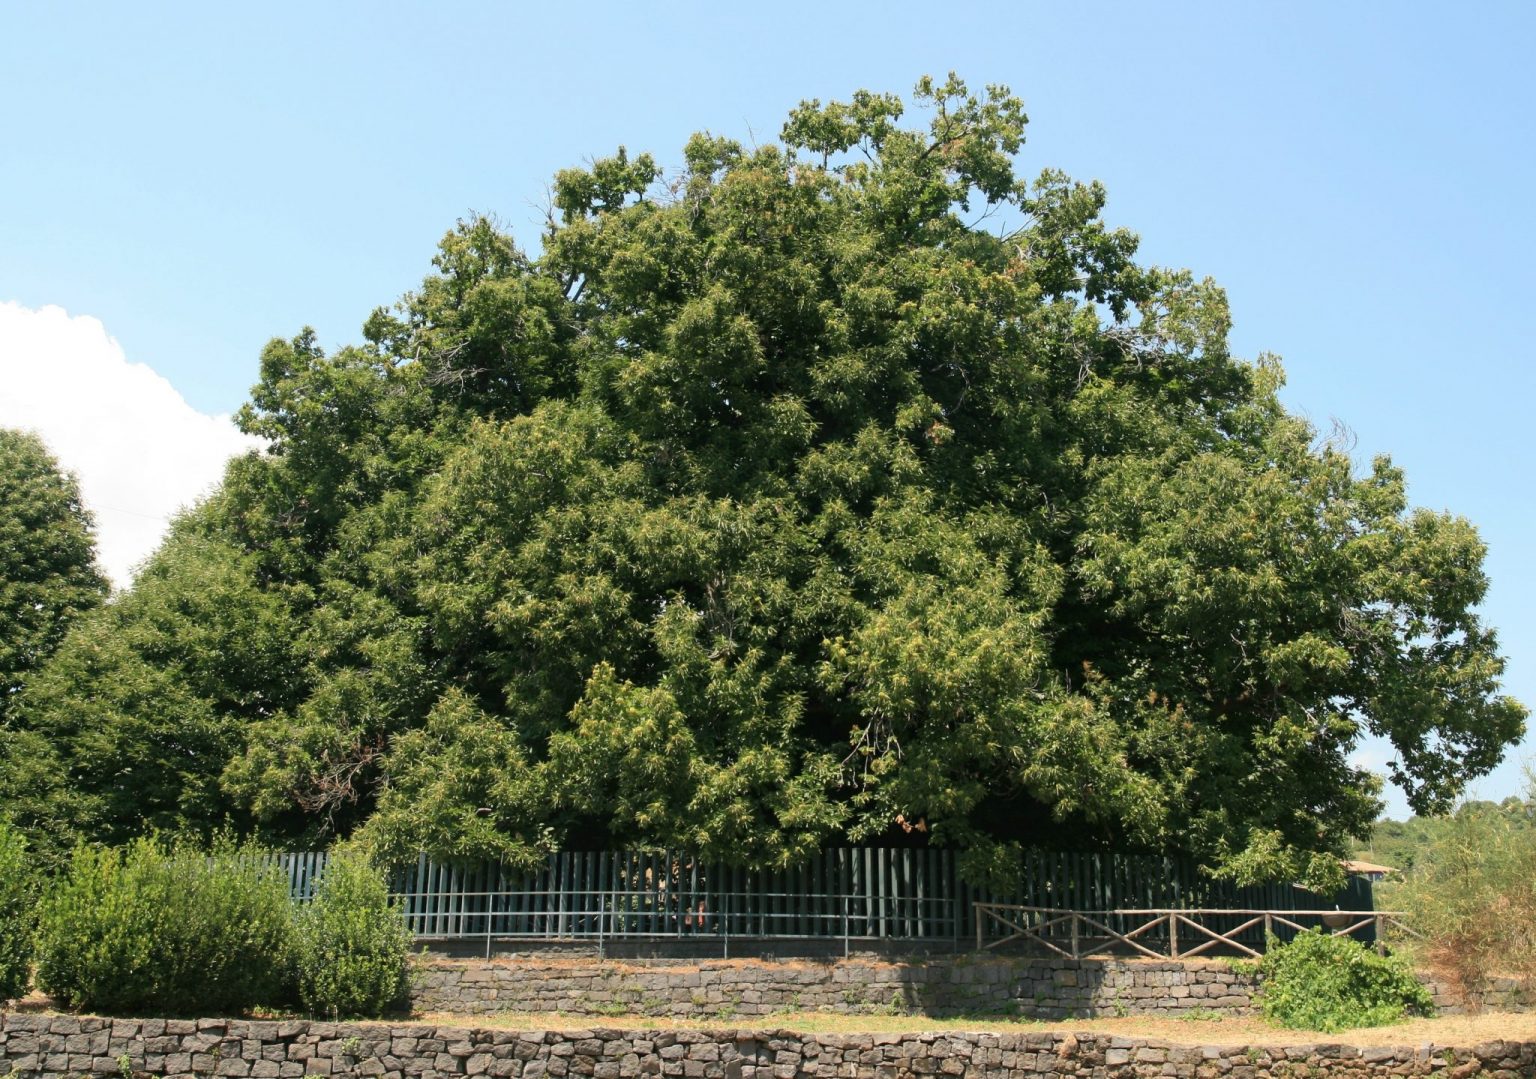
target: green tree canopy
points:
(852, 487)
(130, 725)
(48, 579)
(48, 574)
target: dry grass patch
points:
(1223, 1030)
(1457, 1030)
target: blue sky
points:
(201, 177)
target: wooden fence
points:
(852, 893)
(1169, 934)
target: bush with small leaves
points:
(1322, 982)
(353, 946)
(17, 900)
(167, 928)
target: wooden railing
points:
(1157, 934)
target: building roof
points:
(1353, 866)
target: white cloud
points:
(141, 452)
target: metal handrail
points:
(601, 915)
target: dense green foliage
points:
(166, 929)
(48, 580)
(130, 724)
(848, 488)
(1405, 844)
(48, 574)
(18, 897)
(1322, 982)
(352, 945)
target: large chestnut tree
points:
(849, 488)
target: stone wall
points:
(728, 989)
(725, 989)
(1498, 995)
(69, 1047)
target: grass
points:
(1201, 1015)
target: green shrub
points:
(353, 946)
(1322, 982)
(171, 929)
(16, 914)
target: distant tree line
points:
(1405, 845)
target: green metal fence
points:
(853, 893)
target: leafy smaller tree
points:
(353, 946)
(1322, 982)
(48, 574)
(17, 901)
(127, 727)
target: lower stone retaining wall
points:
(69, 1047)
(724, 990)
